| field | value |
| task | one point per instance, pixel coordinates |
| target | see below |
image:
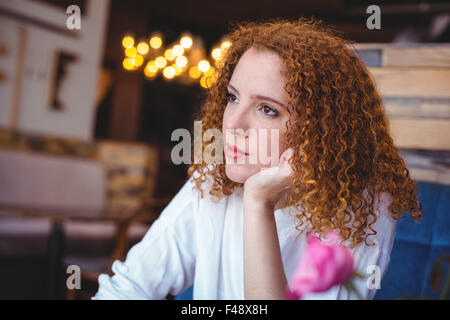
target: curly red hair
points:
(337, 128)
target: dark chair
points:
(417, 246)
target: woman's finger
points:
(287, 154)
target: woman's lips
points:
(234, 152)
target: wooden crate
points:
(414, 81)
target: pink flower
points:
(322, 266)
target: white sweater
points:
(198, 241)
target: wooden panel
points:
(384, 45)
(420, 133)
(430, 175)
(428, 165)
(412, 82)
(406, 55)
(416, 57)
(417, 107)
(370, 46)
(371, 57)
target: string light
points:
(151, 67)
(131, 52)
(155, 42)
(160, 62)
(127, 42)
(182, 59)
(186, 42)
(169, 72)
(178, 50)
(138, 60)
(204, 83)
(216, 53)
(209, 72)
(150, 74)
(203, 65)
(143, 48)
(178, 70)
(194, 72)
(169, 54)
(128, 63)
(225, 45)
(151, 70)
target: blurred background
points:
(86, 117)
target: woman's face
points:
(254, 121)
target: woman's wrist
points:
(253, 204)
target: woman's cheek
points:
(273, 144)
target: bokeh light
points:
(177, 50)
(169, 72)
(209, 72)
(203, 65)
(151, 67)
(225, 45)
(216, 53)
(186, 42)
(181, 61)
(156, 42)
(169, 55)
(127, 42)
(131, 52)
(204, 82)
(128, 63)
(160, 62)
(143, 48)
(194, 72)
(175, 59)
(139, 60)
(151, 70)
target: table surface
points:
(62, 214)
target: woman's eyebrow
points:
(260, 97)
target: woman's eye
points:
(268, 110)
(229, 97)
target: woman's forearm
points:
(264, 276)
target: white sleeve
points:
(370, 261)
(163, 261)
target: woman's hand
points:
(269, 185)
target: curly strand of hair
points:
(337, 128)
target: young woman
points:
(236, 230)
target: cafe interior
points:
(91, 91)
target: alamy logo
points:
(374, 20)
(74, 280)
(256, 150)
(74, 19)
(374, 271)
(374, 279)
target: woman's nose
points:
(238, 120)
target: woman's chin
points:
(239, 173)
